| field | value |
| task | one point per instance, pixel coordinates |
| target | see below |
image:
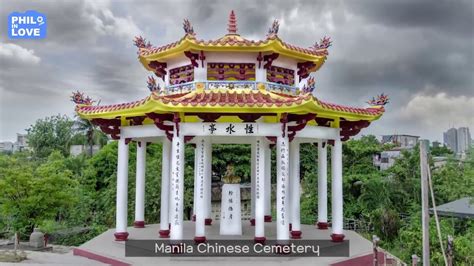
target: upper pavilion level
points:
(237, 61)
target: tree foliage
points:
(50, 134)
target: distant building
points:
(21, 144)
(76, 150)
(436, 144)
(401, 141)
(386, 159)
(464, 139)
(6, 147)
(457, 140)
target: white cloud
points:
(12, 52)
(106, 23)
(439, 111)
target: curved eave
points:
(270, 45)
(155, 104)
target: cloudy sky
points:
(421, 53)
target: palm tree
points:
(86, 127)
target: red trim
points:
(259, 239)
(139, 224)
(97, 257)
(199, 239)
(322, 226)
(268, 218)
(252, 222)
(121, 236)
(296, 234)
(208, 221)
(164, 233)
(337, 237)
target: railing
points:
(230, 85)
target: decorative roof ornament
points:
(79, 98)
(324, 43)
(152, 85)
(188, 28)
(141, 42)
(273, 30)
(380, 100)
(232, 25)
(310, 86)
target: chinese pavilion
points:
(231, 90)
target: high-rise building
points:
(464, 139)
(457, 140)
(450, 139)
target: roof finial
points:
(232, 26)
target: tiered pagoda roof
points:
(232, 98)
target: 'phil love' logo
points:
(28, 25)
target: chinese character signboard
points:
(231, 223)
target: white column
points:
(322, 186)
(177, 186)
(268, 183)
(165, 189)
(140, 186)
(200, 72)
(336, 192)
(199, 191)
(252, 183)
(260, 73)
(195, 186)
(260, 144)
(208, 180)
(282, 199)
(122, 191)
(295, 189)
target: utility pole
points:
(450, 250)
(375, 242)
(425, 216)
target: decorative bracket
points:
(269, 58)
(136, 120)
(304, 69)
(108, 126)
(260, 59)
(283, 120)
(159, 68)
(193, 57)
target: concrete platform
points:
(103, 247)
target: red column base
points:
(164, 233)
(121, 236)
(208, 221)
(194, 218)
(199, 239)
(268, 218)
(139, 224)
(337, 237)
(295, 234)
(322, 225)
(252, 222)
(259, 240)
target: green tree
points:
(50, 134)
(32, 194)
